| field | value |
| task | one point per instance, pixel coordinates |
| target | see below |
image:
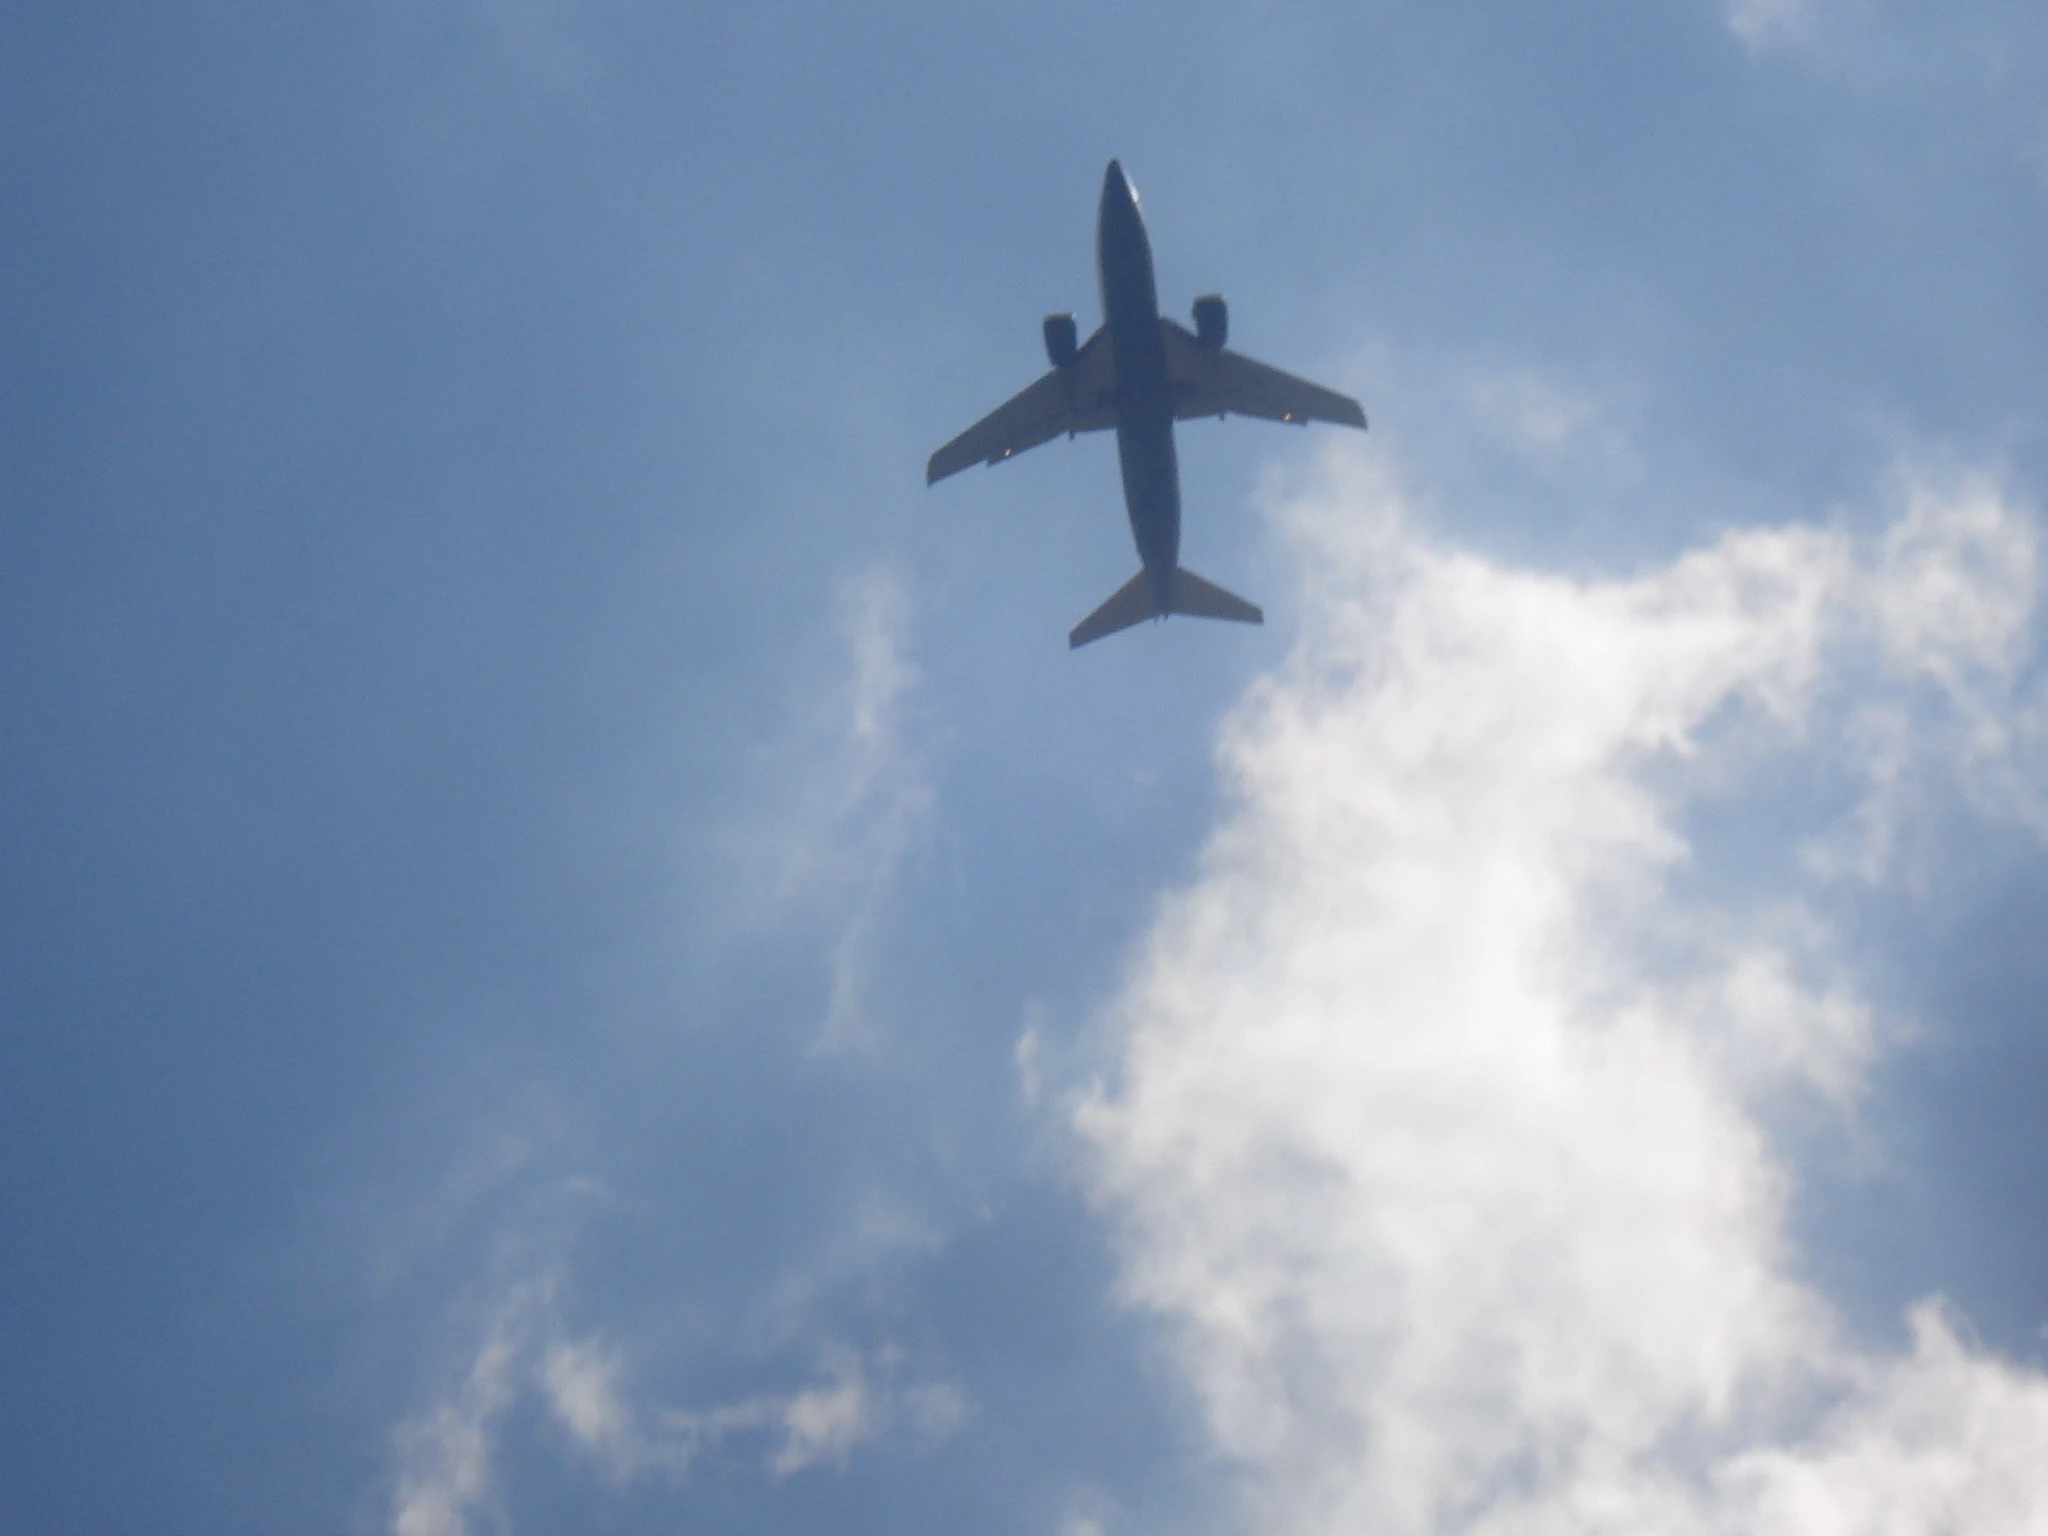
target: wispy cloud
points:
(447, 1454)
(838, 817)
(1768, 23)
(1549, 420)
(1861, 44)
(1442, 1135)
(821, 1423)
(885, 795)
(844, 795)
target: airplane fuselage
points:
(1144, 397)
(1139, 373)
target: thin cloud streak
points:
(847, 799)
(447, 1456)
(1766, 23)
(843, 799)
(886, 798)
(1443, 1132)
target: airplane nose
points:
(1115, 187)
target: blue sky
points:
(578, 954)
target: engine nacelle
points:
(1212, 321)
(1062, 341)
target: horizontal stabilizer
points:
(1134, 602)
(1130, 604)
(1204, 600)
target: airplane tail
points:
(1136, 600)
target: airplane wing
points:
(1077, 398)
(1214, 381)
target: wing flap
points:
(1077, 398)
(1214, 381)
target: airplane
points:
(1139, 373)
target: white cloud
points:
(885, 796)
(841, 795)
(1762, 23)
(1549, 420)
(1026, 1053)
(1947, 1438)
(581, 1381)
(447, 1454)
(858, 1400)
(1441, 1135)
(1852, 41)
(825, 1422)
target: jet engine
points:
(1212, 321)
(1062, 341)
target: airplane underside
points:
(1137, 375)
(1141, 598)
